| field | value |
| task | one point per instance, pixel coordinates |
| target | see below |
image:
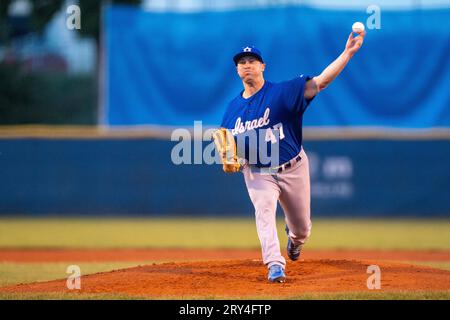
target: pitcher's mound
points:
(248, 278)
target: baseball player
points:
(276, 108)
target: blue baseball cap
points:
(248, 51)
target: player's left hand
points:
(354, 43)
(226, 147)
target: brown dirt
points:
(247, 278)
(236, 273)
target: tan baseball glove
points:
(226, 147)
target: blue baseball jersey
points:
(275, 113)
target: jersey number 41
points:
(271, 136)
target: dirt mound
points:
(247, 278)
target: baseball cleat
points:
(293, 251)
(276, 274)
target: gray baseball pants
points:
(291, 188)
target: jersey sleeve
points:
(293, 94)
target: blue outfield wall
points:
(137, 177)
(173, 68)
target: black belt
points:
(288, 164)
(278, 169)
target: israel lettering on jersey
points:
(268, 125)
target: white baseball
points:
(358, 27)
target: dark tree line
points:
(43, 11)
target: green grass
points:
(403, 295)
(65, 296)
(439, 295)
(15, 273)
(407, 234)
(128, 233)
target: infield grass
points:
(405, 234)
(15, 273)
(400, 295)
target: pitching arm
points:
(320, 82)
